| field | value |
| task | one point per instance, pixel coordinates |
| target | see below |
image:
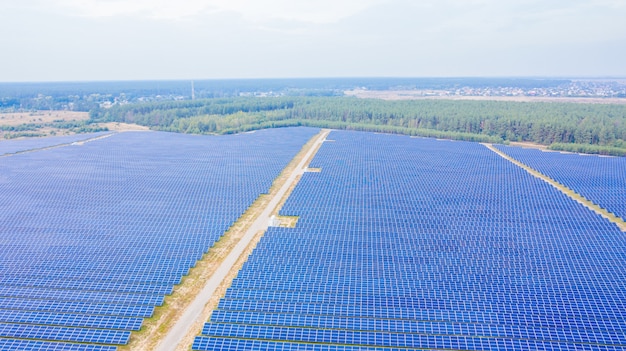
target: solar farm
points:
(401, 243)
(94, 236)
(409, 243)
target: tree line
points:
(600, 125)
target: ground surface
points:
(46, 118)
(14, 119)
(41, 120)
(528, 144)
(122, 127)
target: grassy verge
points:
(589, 149)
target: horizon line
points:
(600, 77)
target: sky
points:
(86, 40)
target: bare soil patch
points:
(529, 145)
(38, 123)
(18, 118)
(439, 95)
(123, 127)
(43, 123)
(288, 221)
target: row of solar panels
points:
(484, 310)
(88, 308)
(495, 324)
(21, 145)
(70, 320)
(422, 343)
(414, 339)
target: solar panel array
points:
(406, 243)
(20, 145)
(599, 179)
(93, 236)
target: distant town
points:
(573, 89)
(85, 96)
(576, 88)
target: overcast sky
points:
(78, 40)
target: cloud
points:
(159, 39)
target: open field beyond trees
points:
(39, 117)
(45, 123)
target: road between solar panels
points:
(194, 312)
(567, 191)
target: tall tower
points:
(193, 91)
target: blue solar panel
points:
(95, 235)
(423, 244)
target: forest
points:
(592, 128)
